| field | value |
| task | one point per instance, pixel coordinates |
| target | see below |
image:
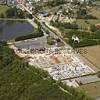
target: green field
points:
(3, 9)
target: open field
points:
(82, 24)
(92, 89)
(93, 55)
(91, 21)
(86, 24)
(95, 12)
(3, 9)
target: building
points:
(21, 1)
(3, 1)
(8, 2)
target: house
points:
(75, 38)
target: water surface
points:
(9, 30)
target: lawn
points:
(3, 9)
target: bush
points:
(34, 35)
(50, 41)
(65, 25)
(3, 43)
(86, 17)
(99, 75)
(14, 12)
(93, 28)
(2, 15)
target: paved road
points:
(31, 21)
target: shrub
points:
(34, 35)
(50, 41)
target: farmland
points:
(93, 55)
(92, 89)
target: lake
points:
(9, 30)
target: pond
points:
(9, 30)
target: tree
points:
(93, 28)
(2, 16)
(50, 41)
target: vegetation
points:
(83, 14)
(94, 28)
(87, 17)
(33, 35)
(99, 75)
(19, 81)
(86, 38)
(55, 3)
(65, 25)
(3, 10)
(50, 41)
(13, 13)
(91, 89)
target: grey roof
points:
(33, 43)
(87, 79)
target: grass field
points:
(93, 55)
(3, 9)
(92, 89)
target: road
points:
(31, 21)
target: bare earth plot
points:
(93, 55)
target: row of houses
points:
(24, 1)
(12, 1)
(81, 1)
